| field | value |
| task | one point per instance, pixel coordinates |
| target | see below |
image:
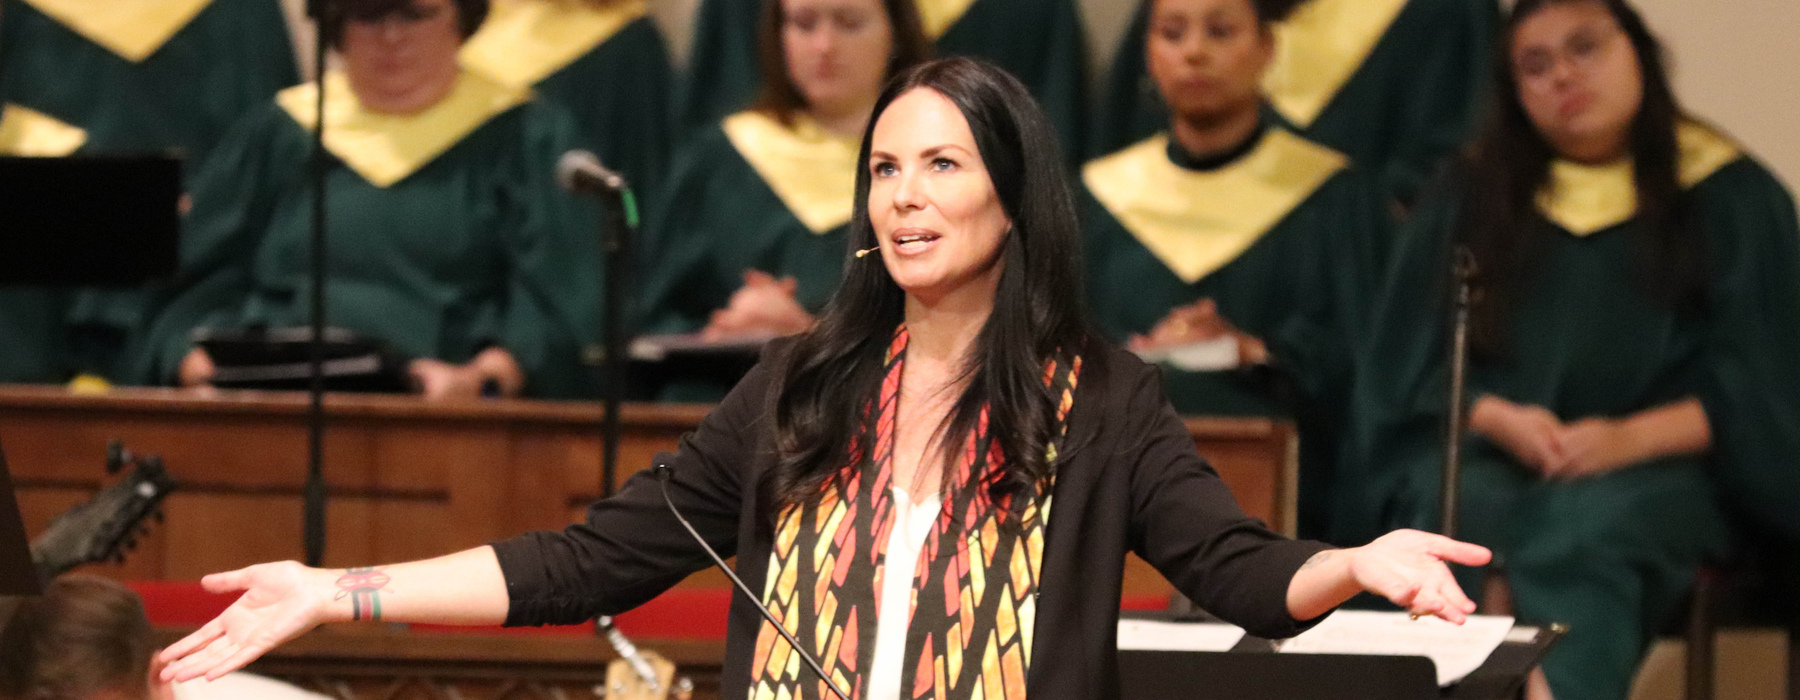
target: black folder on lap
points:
(89, 221)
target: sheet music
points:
(1205, 356)
(1156, 635)
(1457, 651)
(656, 348)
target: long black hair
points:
(836, 369)
(1509, 164)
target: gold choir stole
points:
(385, 148)
(133, 29)
(937, 16)
(1198, 222)
(1586, 199)
(811, 170)
(28, 132)
(1318, 48)
(969, 631)
(525, 41)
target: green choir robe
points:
(604, 64)
(1283, 237)
(446, 233)
(750, 194)
(1040, 41)
(1394, 84)
(123, 76)
(1611, 555)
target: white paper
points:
(1457, 651)
(1205, 356)
(1155, 635)
(656, 348)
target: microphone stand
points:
(615, 241)
(313, 494)
(1463, 270)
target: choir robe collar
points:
(133, 29)
(28, 132)
(385, 148)
(812, 171)
(1318, 48)
(1197, 221)
(1585, 199)
(525, 41)
(937, 16)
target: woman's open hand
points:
(281, 601)
(1410, 568)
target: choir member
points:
(448, 238)
(1636, 286)
(116, 78)
(1233, 228)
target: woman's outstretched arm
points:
(284, 600)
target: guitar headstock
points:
(108, 524)
(638, 674)
(624, 683)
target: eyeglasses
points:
(405, 16)
(1581, 49)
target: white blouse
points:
(912, 524)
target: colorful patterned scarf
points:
(969, 631)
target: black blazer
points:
(1129, 480)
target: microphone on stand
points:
(663, 473)
(580, 172)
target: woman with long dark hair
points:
(1636, 299)
(1233, 231)
(943, 476)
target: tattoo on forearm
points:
(1317, 559)
(363, 587)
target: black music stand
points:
(1144, 675)
(1253, 671)
(89, 221)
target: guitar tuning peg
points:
(116, 456)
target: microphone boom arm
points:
(663, 474)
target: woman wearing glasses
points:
(448, 238)
(1636, 316)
